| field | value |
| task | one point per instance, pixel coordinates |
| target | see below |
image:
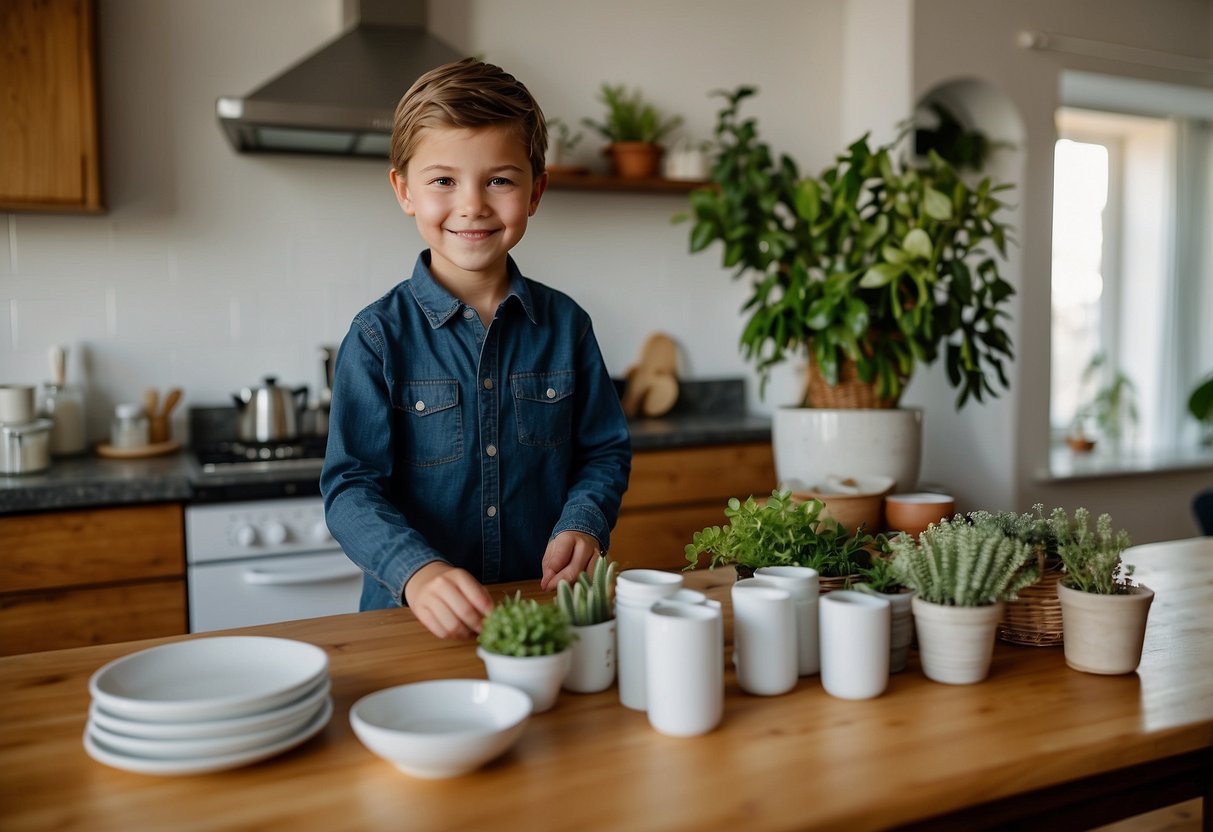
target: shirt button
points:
(420, 406)
(492, 511)
(551, 394)
(491, 450)
(488, 384)
(469, 313)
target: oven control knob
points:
(246, 536)
(321, 533)
(275, 533)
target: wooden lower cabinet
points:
(75, 578)
(674, 493)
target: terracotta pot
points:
(1104, 633)
(635, 160)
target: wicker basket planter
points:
(850, 392)
(1034, 619)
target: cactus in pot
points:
(589, 602)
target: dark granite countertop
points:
(707, 413)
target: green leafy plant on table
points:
(873, 267)
(779, 532)
(878, 575)
(629, 118)
(1090, 559)
(518, 627)
(589, 601)
(957, 564)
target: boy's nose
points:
(472, 202)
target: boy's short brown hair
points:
(468, 93)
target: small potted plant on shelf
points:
(634, 129)
(1103, 612)
(878, 579)
(589, 603)
(1111, 408)
(563, 142)
(962, 573)
(526, 644)
(780, 531)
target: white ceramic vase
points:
(801, 583)
(539, 677)
(812, 444)
(1104, 633)
(854, 644)
(684, 673)
(764, 638)
(955, 644)
(592, 668)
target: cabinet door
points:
(48, 119)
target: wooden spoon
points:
(170, 401)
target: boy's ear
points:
(537, 189)
(400, 187)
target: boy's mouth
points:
(473, 235)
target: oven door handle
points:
(285, 577)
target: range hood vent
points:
(340, 100)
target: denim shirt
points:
(449, 441)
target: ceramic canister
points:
(855, 628)
(684, 676)
(764, 636)
(636, 590)
(801, 583)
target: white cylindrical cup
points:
(801, 583)
(764, 635)
(635, 591)
(16, 404)
(684, 668)
(854, 644)
(593, 663)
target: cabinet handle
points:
(328, 574)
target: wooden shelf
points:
(598, 182)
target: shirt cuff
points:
(585, 518)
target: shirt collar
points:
(439, 305)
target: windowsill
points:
(1065, 464)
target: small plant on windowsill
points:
(1110, 409)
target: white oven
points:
(262, 561)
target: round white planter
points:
(539, 677)
(902, 626)
(812, 444)
(593, 663)
(1104, 633)
(955, 644)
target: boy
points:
(475, 435)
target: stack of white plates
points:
(208, 704)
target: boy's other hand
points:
(449, 602)
(567, 556)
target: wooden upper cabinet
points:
(49, 159)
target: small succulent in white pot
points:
(526, 644)
(1103, 613)
(879, 580)
(590, 604)
(962, 574)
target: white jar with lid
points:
(65, 407)
(129, 428)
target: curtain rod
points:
(1050, 42)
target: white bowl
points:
(442, 728)
(208, 678)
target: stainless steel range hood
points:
(340, 99)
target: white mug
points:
(684, 658)
(636, 590)
(801, 583)
(855, 630)
(764, 637)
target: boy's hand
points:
(449, 602)
(567, 556)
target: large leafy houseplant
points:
(877, 263)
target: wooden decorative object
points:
(652, 384)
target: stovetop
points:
(234, 456)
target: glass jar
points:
(129, 428)
(65, 407)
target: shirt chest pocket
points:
(432, 424)
(543, 407)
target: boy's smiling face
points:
(472, 192)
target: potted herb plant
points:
(634, 129)
(780, 531)
(962, 573)
(590, 605)
(878, 579)
(1111, 407)
(874, 266)
(1103, 612)
(526, 644)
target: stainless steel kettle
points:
(269, 413)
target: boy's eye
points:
(500, 180)
(443, 180)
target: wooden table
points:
(1034, 738)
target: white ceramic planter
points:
(955, 644)
(854, 644)
(684, 673)
(593, 664)
(636, 590)
(901, 627)
(812, 444)
(539, 677)
(1104, 633)
(801, 583)
(764, 638)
